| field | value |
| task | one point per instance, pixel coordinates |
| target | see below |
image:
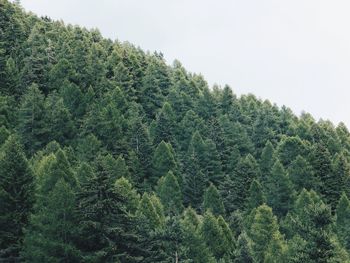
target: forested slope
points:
(110, 155)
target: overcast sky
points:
(292, 52)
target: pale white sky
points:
(292, 52)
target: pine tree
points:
(163, 161)
(263, 229)
(197, 251)
(53, 228)
(340, 179)
(156, 82)
(256, 196)
(267, 160)
(164, 126)
(125, 189)
(247, 171)
(170, 195)
(32, 119)
(343, 221)
(212, 201)
(195, 183)
(213, 235)
(244, 252)
(279, 190)
(16, 198)
(289, 148)
(301, 174)
(322, 165)
(107, 231)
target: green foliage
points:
(169, 192)
(213, 202)
(98, 117)
(263, 230)
(163, 161)
(279, 190)
(16, 198)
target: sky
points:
(292, 52)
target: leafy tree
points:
(16, 198)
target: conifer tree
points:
(343, 221)
(263, 230)
(169, 192)
(301, 174)
(52, 231)
(256, 196)
(16, 198)
(267, 160)
(195, 183)
(197, 251)
(32, 119)
(164, 127)
(213, 235)
(107, 231)
(340, 179)
(163, 161)
(212, 201)
(280, 192)
(244, 252)
(247, 171)
(125, 189)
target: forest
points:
(109, 154)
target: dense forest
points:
(108, 154)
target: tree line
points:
(108, 154)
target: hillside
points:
(108, 154)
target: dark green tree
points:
(279, 190)
(16, 198)
(170, 195)
(213, 202)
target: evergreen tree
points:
(164, 127)
(267, 160)
(32, 119)
(195, 183)
(212, 201)
(213, 235)
(256, 196)
(340, 179)
(169, 192)
(301, 174)
(52, 232)
(263, 230)
(163, 161)
(244, 253)
(108, 232)
(125, 189)
(197, 251)
(343, 221)
(247, 171)
(279, 190)
(16, 198)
